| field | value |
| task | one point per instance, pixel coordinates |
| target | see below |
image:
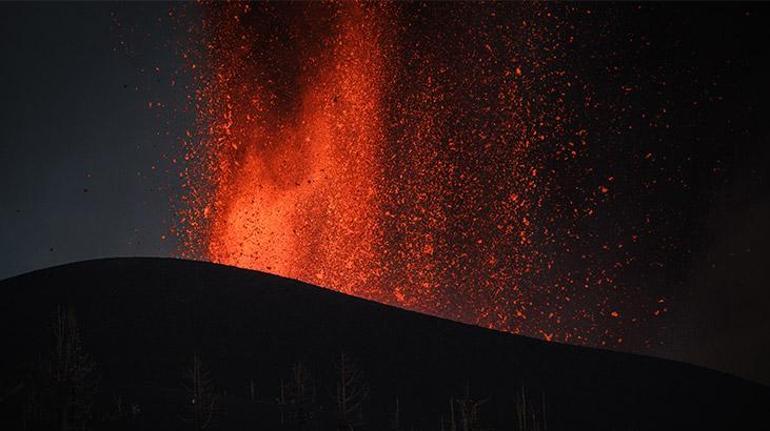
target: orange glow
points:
(340, 145)
(301, 199)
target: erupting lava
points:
(371, 149)
(297, 194)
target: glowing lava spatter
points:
(426, 156)
(297, 194)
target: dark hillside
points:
(143, 319)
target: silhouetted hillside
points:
(142, 320)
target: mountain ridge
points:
(144, 318)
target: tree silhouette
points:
(351, 391)
(67, 380)
(60, 392)
(465, 412)
(530, 414)
(297, 399)
(201, 395)
(395, 420)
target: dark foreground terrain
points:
(141, 322)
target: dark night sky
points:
(78, 140)
(85, 162)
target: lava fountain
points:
(431, 157)
(298, 195)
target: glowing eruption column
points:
(301, 200)
(363, 148)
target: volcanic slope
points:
(142, 320)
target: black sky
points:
(86, 154)
(79, 141)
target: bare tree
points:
(531, 415)
(351, 391)
(297, 399)
(395, 421)
(63, 390)
(201, 394)
(465, 412)
(122, 412)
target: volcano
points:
(142, 320)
